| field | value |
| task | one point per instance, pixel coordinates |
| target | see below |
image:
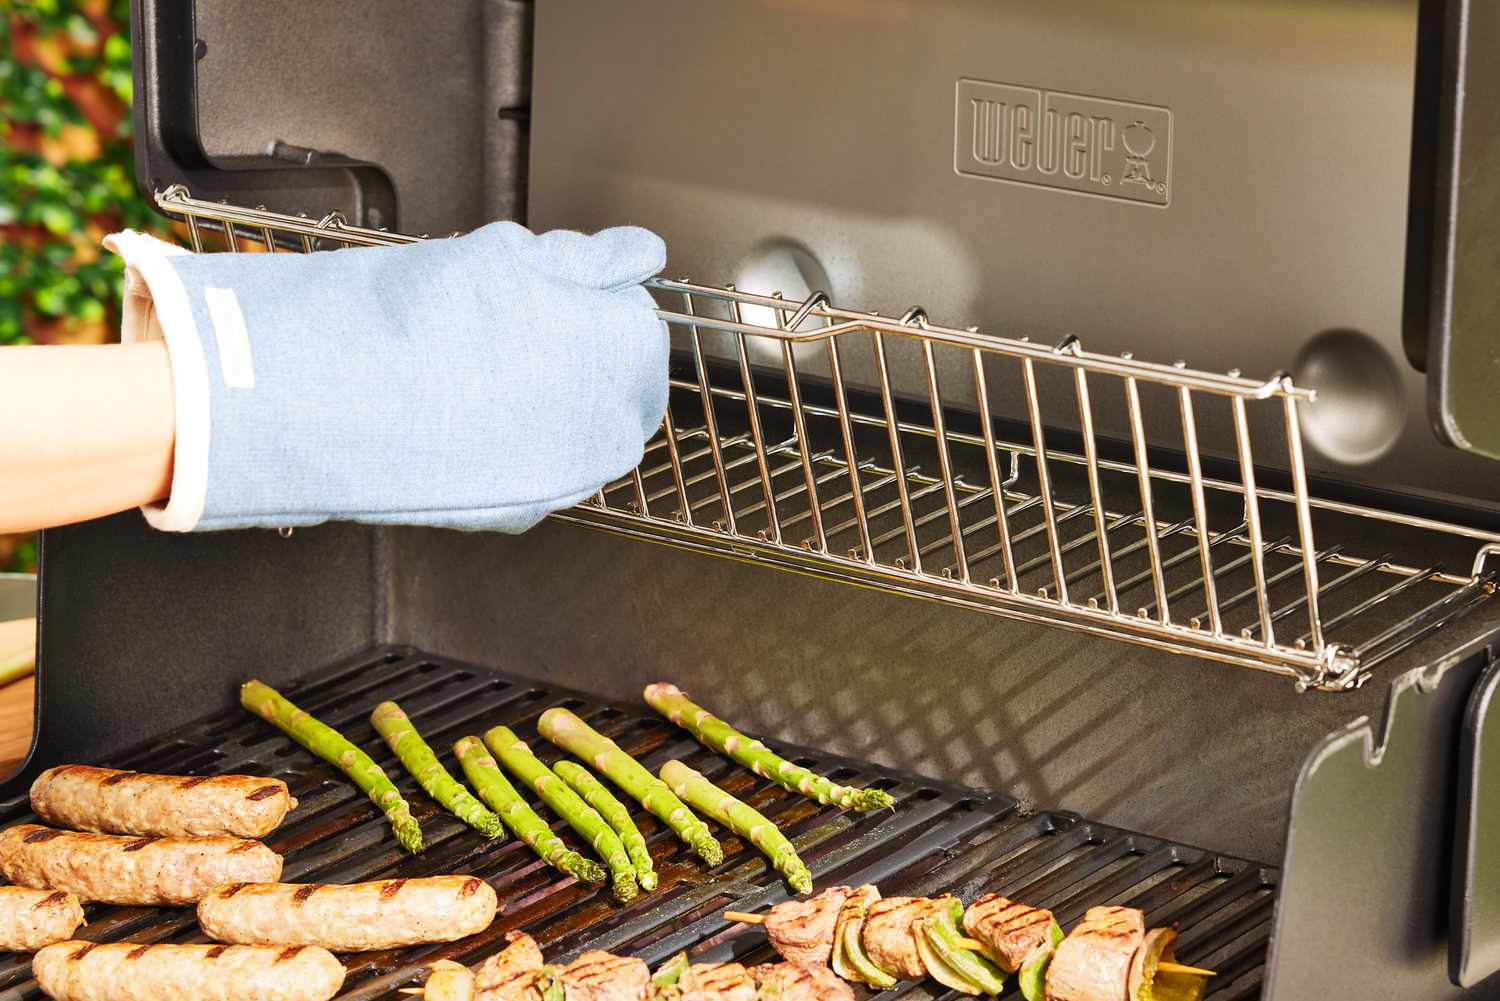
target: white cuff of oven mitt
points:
(156, 308)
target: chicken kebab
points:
(880, 941)
(520, 973)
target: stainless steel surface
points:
(832, 127)
(919, 543)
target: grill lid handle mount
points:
(169, 149)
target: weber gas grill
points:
(1214, 642)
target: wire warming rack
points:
(826, 441)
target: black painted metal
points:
(939, 837)
(1474, 947)
(169, 149)
(1365, 907)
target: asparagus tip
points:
(586, 869)
(866, 800)
(709, 850)
(647, 881)
(623, 887)
(409, 835)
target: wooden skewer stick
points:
(745, 919)
(1179, 968)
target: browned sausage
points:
(125, 971)
(116, 802)
(125, 870)
(30, 919)
(352, 917)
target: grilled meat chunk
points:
(115, 802)
(802, 930)
(1093, 962)
(511, 974)
(890, 934)
(128, 971)
(30, 919)
(715, 982)
(601, 976)
(1011, 931)
(119, 869)
(790, 982)
(387, 914)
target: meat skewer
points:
(387, 914)
(119, 869)
(30, 919)
(110, 801)
(511, 974)
(801, 931)
(126, 971)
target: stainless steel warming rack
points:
(771, 453)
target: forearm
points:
(84, 431)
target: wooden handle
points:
(745, 919)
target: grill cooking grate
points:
(939, 837)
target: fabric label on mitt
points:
(232, 338)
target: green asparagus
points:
(573, 735)
(614, 814)
(393, 725)
(739, 817)
(516, 756)
(495, 789)
(328, 744)
(714, 733)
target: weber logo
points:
(1066, 141)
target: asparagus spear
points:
(495, 789)
(714, 733)
(614, 814)
(328, 744)
(740, 818)
(572, 734)
(392, 724)
(516, 756)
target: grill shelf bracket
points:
(779, 458)
(938, 838)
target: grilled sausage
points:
(802, 930)
(30, 919)
(116, 802)
(118, 869)
(1093, 962)
(387, 914)
(125, 971)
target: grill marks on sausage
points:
(136, 846)
(118, 777)
(217, 950)
(195, 780)
(470, 886)
(137, 953)
(244, 846)
(389, 890)
(300, 897)
(264, 792)
(231, 890)
(287, 953)
(78, 954)
(41, 835)
(55, 898)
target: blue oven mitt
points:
(475, 382)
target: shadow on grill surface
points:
(938, 838)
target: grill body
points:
(1308, 844)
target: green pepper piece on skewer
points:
(743, 819)
(393, 725)
(942, 934)
(565, 729)
(670, 972)
(516, 756)
(495, 789)
(1032, 978)
(330, 745)
(615, 815)
(718, 735)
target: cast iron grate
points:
(939, 837)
